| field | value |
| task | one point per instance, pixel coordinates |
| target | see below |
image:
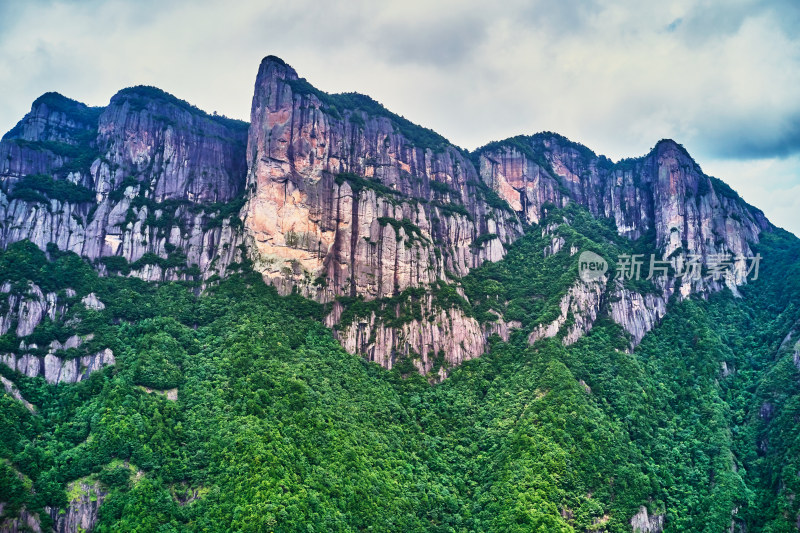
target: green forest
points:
(277, 428)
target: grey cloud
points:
(719, 76)
(709, 21)
(560, 18)
(754, 140)
(438, 42)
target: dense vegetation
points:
(356, 105)
(142, 96)
(42, 188)
(276, 428)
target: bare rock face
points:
(340, 199)
(581, 303)
(12, 389)
(92, 302)
(664, 192)
(357, 199)
(148, 174)
(637, 313)
(55, 368)
(27, 310)
(81, 512)
(24, 522)
(442, 340)
(643, 522)
(664, 195)
(351, 200)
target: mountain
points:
(181, 291)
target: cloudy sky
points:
(720, 77)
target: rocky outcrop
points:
(340, 199)
(85, 497)
(580, 306)
(145, 178)
(643, 522)
(350, 199)
(664, 192)
(635, 312)
(12, 389)
(23, 522)
(441, 340)
(92, 302)
(55, 368)
(28, 309)
(663, 196)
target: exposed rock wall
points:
(12, 389)
(156, 170)
(664, 192)
(354, 201)
(580, 306)
(22, 523)
(81, 512)
(307, 223)
(341, 199)
(643, 522)
(56, 369)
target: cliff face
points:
(345, 202)
(664, 192)
(143, 179)
(662, 199)
(351, 200)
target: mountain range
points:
(333, 319)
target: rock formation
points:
(148, 178)
(343, 201)
(352, 200)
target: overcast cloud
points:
(720, 77)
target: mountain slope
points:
(167, 277)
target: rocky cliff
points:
(148, 179)
(347, 203)
(662, 200)
(350, 200)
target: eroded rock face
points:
(664, 195)
(28, 309)
(637, 313)
(12, 389)
(156, 170)
(354, 202)
(397, 222)
(643, 522)
(664, 192)
(442, 340)
(581, 304)
(24, 522)
(81, 512)
(341, 199)
(55, 368)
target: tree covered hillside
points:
(274, 427)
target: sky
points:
(720, 77)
